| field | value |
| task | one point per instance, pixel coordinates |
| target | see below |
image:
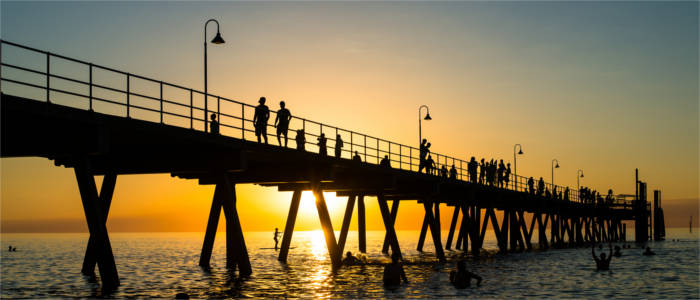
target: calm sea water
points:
(164, 264)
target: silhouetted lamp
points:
(217, 40)
(554, 167)
(515, 163)
(427, 117)
(579, 175)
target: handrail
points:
(371, 148)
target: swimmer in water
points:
(617, 252)
(648, 252)
(602, 263)
(350, 259)
(463, 278)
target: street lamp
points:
(554, 167)
(579, 174)
(515, 163)
(427, 118)
(217, 40)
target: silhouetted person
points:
(350, 259)
(547, 194)
(262, 114)
(566, 194)
(357, 157)
(282, 123)
(617, 252)
(609, 198)
(453, 172)
(506, 176)
(648, 252)
(300, 139)
(482, 171)
(276, 237)
(443, 172)
(462, 278)
(429, 164)
(531, 185)
(501, 172)
(338, 146)
(540, 187)
(422, 154)
(9, 248)
(322, 150)
(602, 263)
(213, 125)
(385, 162)
(471, 169)
(393, 272)
(14, 249)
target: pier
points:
(131, 124)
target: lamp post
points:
(579, 174)
(217, 40)
(554, 167)
(427, 118)
(515, 163)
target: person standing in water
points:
(602, 263)
(463, 278)
(276, 237)
(393, 272)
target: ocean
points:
(161, 265)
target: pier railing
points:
(61, 80)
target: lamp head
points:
(218, 39)
(557, 166)
(427, 117)
(581, 174)
(520, 152)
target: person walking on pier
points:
(531, 185)
(506, 176)
(482, 171)
(540, 187)
(602, 263)
(443, 172)
(393, 272)
(462, 278)
(282, 123)
(300, 139)
(214, 125)
(385, 162)
(322, 150)
(262, 114)
(357, 157)
(453, 172)
(430, 165)
(422, 154)
(276, 237)
(501, 172)
(566, 194)
(471, 169)
(338, 145)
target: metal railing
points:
(176, 105)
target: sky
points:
(605, 87)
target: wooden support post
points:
(95, 216)
(346, 224)
(542, 231)
(514, 229)
(466, 228)
(435, 231)
(389, 225)
(289, 227)
(477, 242)
(212, 224)
(487, 215)
(106, 192)
(553, 229)
(361, 231)
(327, 227)
(394, 212)
(423, 229)
(527, 234)
(236, 250)
(437, 221)
(504, 231)
(453, 225)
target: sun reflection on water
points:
(318, 245)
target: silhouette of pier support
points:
(236, 251)
(289, 227)
(327, 226)
(96, 207)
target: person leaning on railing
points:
(213, 125)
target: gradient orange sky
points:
(602, 87)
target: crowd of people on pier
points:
(492, 172)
